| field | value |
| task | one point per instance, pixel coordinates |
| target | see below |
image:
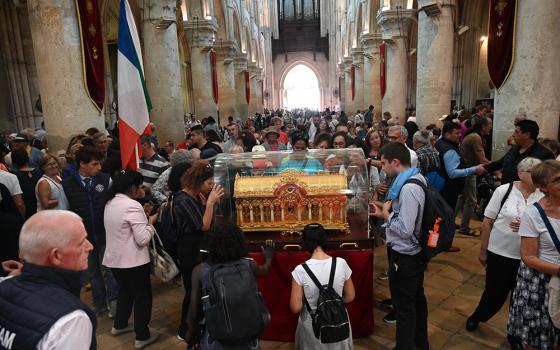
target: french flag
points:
(133, 99)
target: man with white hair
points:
(41, 308)
(398, 133)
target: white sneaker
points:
(141, 344)
(124, 330)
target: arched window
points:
(301, 88)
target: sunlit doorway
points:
(301, 89)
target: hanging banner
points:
(213, 57)
(247, 87)
(501, 40)
(352, 77)
(383, 67)
(93, 61)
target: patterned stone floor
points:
(453, 283)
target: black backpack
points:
(167, 228)
(330, 319)
(234, 308)
(436, 210)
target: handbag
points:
(162, 264)
(554, 284)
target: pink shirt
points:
(128, 233)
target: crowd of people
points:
(74, 216)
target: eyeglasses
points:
(52, 164)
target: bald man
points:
(41, 308)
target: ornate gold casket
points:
(290, 200)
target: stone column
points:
(394, 28)
(372, 85)
(240, 66)
(349, 102)
(227, 96)
(533, 86)
(253, 103)
(259, 92)
(163, 71)
(58, 56)
(341, 87)
(200, 33)
(358, 62)
(434, 63)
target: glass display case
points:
(283, 191)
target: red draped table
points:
(277, 285)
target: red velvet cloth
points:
(92, 50)
(382, 68)
(277, 286)
(501, 40)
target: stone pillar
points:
(227, 96)
(533, 86)
(240, 66)
(67, 109)
(259, 91)
(358, 62)
(253, 103)
(394, 28)
(349, 102)
(201, 33)
(341, 87)
(434, 68)
(372, 85)
(163, 72)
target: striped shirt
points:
(152, 168)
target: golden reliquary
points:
(290, 200)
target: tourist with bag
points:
(403, 212)
(129, 232)
(320, 288)
(225, 285)
(529, 317)
(500, 241)
(193, 213)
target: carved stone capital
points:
(357, 56)
(348, 61)
(240, 63)
(200, 33)
(226, 51)
(395, 24)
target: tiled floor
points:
(453, 283)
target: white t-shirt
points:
(503, 241)
(11, 182)
(321, 269)
(532, 225)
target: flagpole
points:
(136, 157)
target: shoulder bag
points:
(162, 264)
(554, 284)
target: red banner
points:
(214, 76)
(382, 68)
(501, 40)
(93, 60)
(352, 77)
(247, 87)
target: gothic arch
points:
(321, 73)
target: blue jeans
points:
(104, 288)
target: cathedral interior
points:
(434, 57)
(239, 58)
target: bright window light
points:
(302, 88)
